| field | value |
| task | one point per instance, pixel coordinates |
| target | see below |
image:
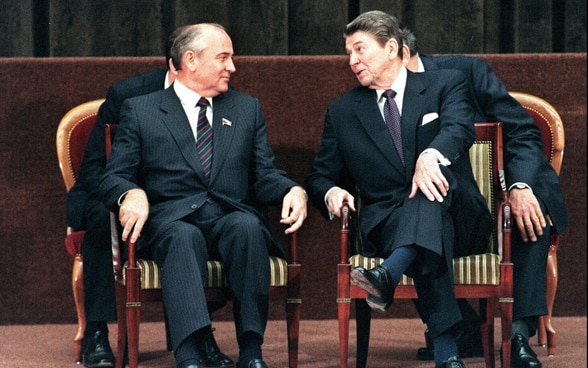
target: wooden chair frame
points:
(130, 295)
(488, 294)
(75, 126)
(552, 133)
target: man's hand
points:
(429, 179)
(527, 213)
(133, 214)
(335, 199)
(294, 209)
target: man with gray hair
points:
(188, 166)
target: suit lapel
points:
(368, 113)
(223, 108)
(177, 123)
(412, 106)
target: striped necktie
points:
(204, 138)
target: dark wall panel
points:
(316, 27)
(286, 27)
(259, 27)
(533, 20)
(16, 29)
(449, 29)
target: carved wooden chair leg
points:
(77, 279)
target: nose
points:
(353, 59)
(231, 66)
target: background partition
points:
(286, 27)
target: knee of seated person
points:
(242, 223)
(179, 236)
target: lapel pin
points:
(227, 122)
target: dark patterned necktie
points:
(392, 118)
(204, 138)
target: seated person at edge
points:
(187, 167)
(534, 192)
(408, 186)
(86, 211)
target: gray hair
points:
(190, 38)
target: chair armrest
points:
(115, 242)
(344, 231)
(504, 249)
(293, 248)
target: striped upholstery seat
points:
(480, 269)
(150, 273)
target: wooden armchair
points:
(552, 134)
(138, 280)
(71, 138)
(487, 276)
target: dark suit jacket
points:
(94, 161)
(355, 142)
(523, 149)
(155, 149)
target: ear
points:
(190, 60)
(392, 46)
(405, 54)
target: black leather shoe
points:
(521, 355)
(378, 284)
(453, 362)
(469, 345)
(255, 363)
(210, 354)
(97, 351)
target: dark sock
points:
(249, 348)
(445, 347)
(94, 326)
(399, 260)
(187, 352)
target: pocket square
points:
(427, 118)
(227, 122)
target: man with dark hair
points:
(534, 192)
(403, 139)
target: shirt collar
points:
(421, 67)
(188, 97)
(399, 85)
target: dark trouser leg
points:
(530, 262)
(99, 299)
(243, 247)
(441, 314)
(182, 255)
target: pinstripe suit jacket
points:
(155, 149)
